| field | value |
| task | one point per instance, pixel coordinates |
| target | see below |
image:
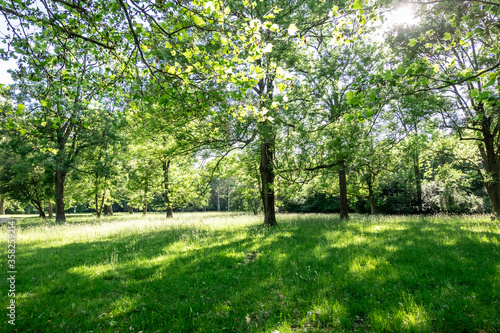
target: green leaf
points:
(43, 103)
(401, 70)
(199, 21)
(358, 4)
(412, 42)
(447, 36)
(490, 82)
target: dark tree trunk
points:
(106, 210)
(491, 160)
(97, 208)
(493, 189)
(51, 211)
(166, 168)
(130, 209)
(2, 205)
(145, 210)
(110, 210)
(344, 205)
(59, 192)
(267, 181)
(39, 206)
(371, 198)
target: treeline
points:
(257, 106)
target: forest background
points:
(300, 106)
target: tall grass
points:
(216, 272)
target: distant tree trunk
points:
(344, 205)
(130, 209)
(228, 195)
(218, 198)
(145, 201)
(418, 180)
(2, 205)
(51, 212)
(371, 198)
(60, 176)
(267, 179)
(166, 168)
(106, 209)
(110, 210)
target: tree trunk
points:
(51, 212)
(2, 205)
(59, 192)
(371, 198)
(493, 189)
(111, 209)
(130, 209)
(344, 205)
(166, 168)
(491, 161)
(145, 210)
(418, 181)
(267, 179)
(218, 198)
(228, 195)
(97, 209)
(106, 210)
(39, 206)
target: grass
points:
(216, 272)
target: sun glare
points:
(403, 15)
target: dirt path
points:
(7, 219)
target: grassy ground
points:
(225, 272)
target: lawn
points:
(217, 272)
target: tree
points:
(454, 47)
(23, 174)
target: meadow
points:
(225, 272)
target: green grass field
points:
(217, 272)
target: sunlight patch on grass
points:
(410, 317)
(362, 265)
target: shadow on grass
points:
(318, 275)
